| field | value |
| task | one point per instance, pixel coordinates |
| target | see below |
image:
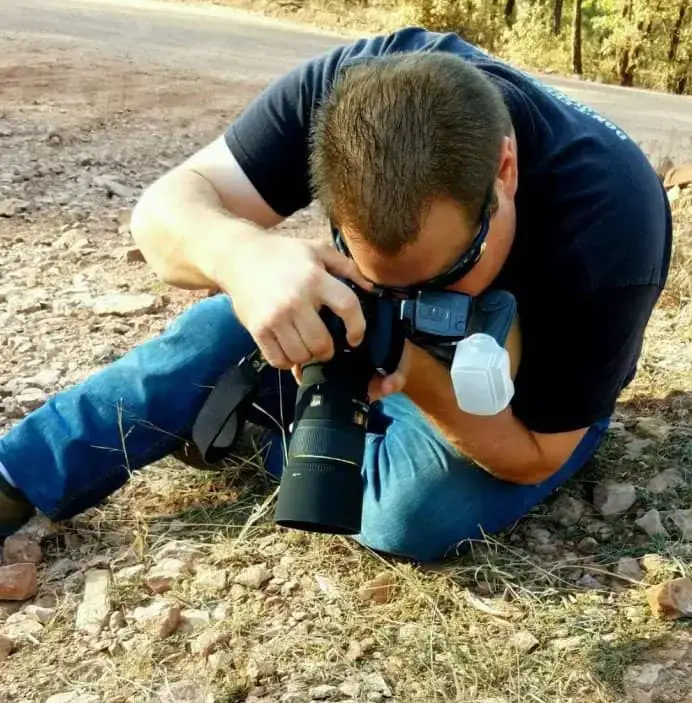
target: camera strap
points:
(222, 417)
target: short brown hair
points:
(398, 131)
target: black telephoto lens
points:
(321, 487)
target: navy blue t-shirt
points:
(593, 234)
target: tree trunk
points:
(557, 16)
(674, 80)
(627, 9)
(509, 12)
(626, 70)
(677, 27)
(628, 60)
(576, 39)
(679, 79)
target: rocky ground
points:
(180, 588)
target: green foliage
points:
(530, 41)
(647, 43)
(440, 15)
(477, 21)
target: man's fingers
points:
(392, 383)
(341, 265)
(381, 386)
(272, 351)
(315, 335)
(374, 389)
(344, 303)
(292, 344)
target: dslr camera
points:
(321, 485)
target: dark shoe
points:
(15, 509)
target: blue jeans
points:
(421, 497)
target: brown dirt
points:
(71, 116)
(68, 117)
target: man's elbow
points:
(526, 475)
(535, 477)
(145, 233)
(142, 224)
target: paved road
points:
(232, 45)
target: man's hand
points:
(380, 386)
(278, 287)
(203, 225)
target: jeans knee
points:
(211, 318)
(402, 537)
(209, 332)
(414, 525)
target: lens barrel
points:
(322, 487)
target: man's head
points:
(408, 152)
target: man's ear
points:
(508, 172)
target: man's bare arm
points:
(184, 220)
(501, 443)
(203, 225)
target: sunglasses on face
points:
(456, 272)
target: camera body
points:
(321, 486)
